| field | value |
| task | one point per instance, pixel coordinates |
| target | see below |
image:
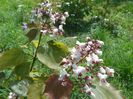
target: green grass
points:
(11, 19)
(117, 52)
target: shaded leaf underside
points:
(12, 57)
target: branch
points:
(35, 54)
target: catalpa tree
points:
(81, 65)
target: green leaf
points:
(36, 90)
(103, 92)
(21, 87)
(52, 54)
(32, 33)
(58, 49)
(46, 57)
(49, 57)
(22, 69)
(12, 57)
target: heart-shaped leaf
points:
(56, 89)
(46, 57)
(22, 69)
(12, 57)
(103, 92)
(52, 55)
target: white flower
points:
(88, 79)
(55, 30)
(61, 27)
(66, 62)
(110, 71)
(98, 52)
(92, 59)
(66, 14)
(76, 55)
(95, 58)
(79, 70)
(100, 42)
(63, 73)
(87, 48)
(102, 70)
(88, 90)
(89, 60)
(43, 31)
(102, 78)
(90, 43)
(63, 18)
(80, 44)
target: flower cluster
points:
(49, 21)
(103, 73)
(88, 53)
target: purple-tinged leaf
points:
(56, 89)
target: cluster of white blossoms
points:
(88, 53)
(103, 73)
(50, 22)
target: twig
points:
(35, 54)
(82, 58)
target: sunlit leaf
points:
(35, 43)
(21, 87)
(56, 89)
(58, 49)
(51, 56)
(22, 69)
(36, 90)
(12, 57)
(32, 33)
